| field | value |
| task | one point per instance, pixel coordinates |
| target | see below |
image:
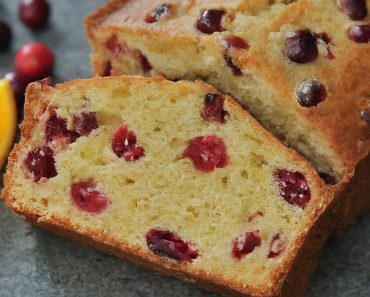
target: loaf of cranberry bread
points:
(302, 68)
(173, 175)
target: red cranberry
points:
(143, 61)
(355, 9)
(214, 108)
(253, 216)
(5, 36)
(210, 21)
(245, 244)
(34, 13)
(234, 68)
(359, 33)
(85, 122)
(88, 197)
(233, 42)
(19, 84)
(41, 163)
(107, 69)
(330, 180)
(124, 144)
(114, 47)
(310, 93)
(56, 131)
(157, 13)
(365, 117)
(293, 187)
(325, 38)
(277, 246)
(301, 46)
(169, 244)
(34, 60)
(207, 153)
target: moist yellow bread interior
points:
(162, 189)
(268, 81)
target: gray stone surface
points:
(36, 263)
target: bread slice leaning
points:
(171, 175)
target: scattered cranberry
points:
(124, 144)
(107, 69)
(34, 60)
(365, 117)
(330, 180)
(210, 21)
(310, 93)
(277, 246)
(214, 108)
(41, 163)
(19, 84)
(245, 244)
(355, 9)
(34, 13)
(169, 244)
(88, 197)
(143, 61)
(5, 36)
(253, 216)
(207, 153)
(85, 122)
(157, 13)
(359, 33)
(113, 46)
(301, 46)
(56, 131)
(233, 42)
(325, 38)
(293, 187)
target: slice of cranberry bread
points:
(300, 67)
(170, 174)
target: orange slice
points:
(8, 119)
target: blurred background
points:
(36, 263)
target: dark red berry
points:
(209, 21)
(233, 42)
(214, 108)
(57, 133)
(40, 163)
(85, 122)
(157, 13)
(5, 36)
(34, 13)
(310, 93)
(293, 187)
(107, 69)
(325, 38)
(277, 246)
(245, 244)
(34, 60)
(19, 84)
(207, 153)
(355, 9)
(143, 61)
(330, 180)
(301, 46)
(359, 33)
(169, 244)
(236, 70)
(125, 145)
(114, 47)
(365, 117)
(88, 197)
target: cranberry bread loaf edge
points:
(172, 175)
(300, 67)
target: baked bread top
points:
(175, 174)
(310, 58)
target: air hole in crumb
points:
(157, 129)
(175, 143)
(225, 180)
(129, 181)
(244, 174)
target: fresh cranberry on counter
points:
(34, 13)
(19, 84)
(34, 60)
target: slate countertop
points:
(36, 263)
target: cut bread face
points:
(290, 64)
(173, 173)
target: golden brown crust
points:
(283, 280)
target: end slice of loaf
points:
(175, 176)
